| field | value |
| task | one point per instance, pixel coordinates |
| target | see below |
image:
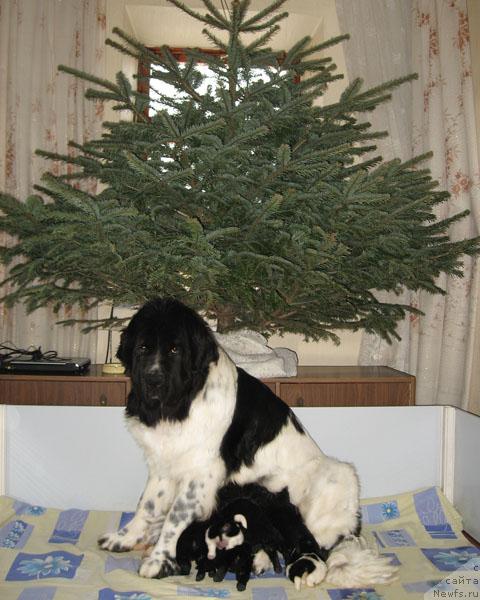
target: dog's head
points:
(167, 350)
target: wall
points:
(315, 17)
(473, 7)
(117, 16)
(116, 61)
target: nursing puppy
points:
(203, 422)
(239, 536)
(267, 523)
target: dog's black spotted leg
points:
(194, 499)
(147, 521)
(168, 567)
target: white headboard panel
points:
(84, 457)
(466, 475)
(78, 457)
(395, 449)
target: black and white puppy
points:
(265, 524)
(243, 522)
(243, 539)
(233, 554)
(239, 536)
(248, 529)
(203, 422)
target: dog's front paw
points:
(307, 570)
(158, 566)
(116, 542)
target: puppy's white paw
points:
(158, 566)
(317, 575)
(261, 562)
(307, 570)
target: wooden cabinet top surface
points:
(305, 374)
(313, 386)
(345, 373)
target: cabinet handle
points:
(103, 400)
(300, 401)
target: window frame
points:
(179, 53)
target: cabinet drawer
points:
(347, 394)
(63, 393)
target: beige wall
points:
(473, 7)
(116, 61)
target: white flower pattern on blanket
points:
(51, 566)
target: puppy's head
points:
(167, 350)
(226, 535)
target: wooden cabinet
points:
(313, 386)
(89, 389)
(346, 386)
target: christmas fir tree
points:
(246, 199)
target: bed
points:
(83, 462)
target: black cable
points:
(10, 350)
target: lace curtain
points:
(430, 37)
(41, 108)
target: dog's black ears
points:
(125, 349)
(205, 349)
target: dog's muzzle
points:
(153, 384)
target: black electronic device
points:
(46, 366)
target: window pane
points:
(160, 90)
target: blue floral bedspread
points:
(48, 554)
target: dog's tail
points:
(353, 564)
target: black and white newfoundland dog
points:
(202, 422)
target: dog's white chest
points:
(177, 449)
(173, 450)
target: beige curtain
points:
(434, 42)
(41, 108)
